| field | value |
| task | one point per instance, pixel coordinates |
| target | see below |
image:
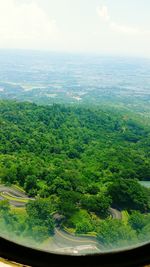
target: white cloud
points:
(103, 13)
(128, 30)
(119, 28)
(124, 29)
(25, 25)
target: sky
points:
(111, 27)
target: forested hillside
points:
(79, 160)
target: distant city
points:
(46, 78)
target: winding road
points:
(61, 242)
(18, 198)
(116, 214)
(15, 196)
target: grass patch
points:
(70, 231)
(125, 216)
(89, 234)
(18, 210)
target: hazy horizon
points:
(73, 53)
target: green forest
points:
(78, 162)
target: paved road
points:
(63, 242)
(116, 214)
(17, 194)
(13, 191)
(10, 192)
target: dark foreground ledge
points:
(134, 257)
